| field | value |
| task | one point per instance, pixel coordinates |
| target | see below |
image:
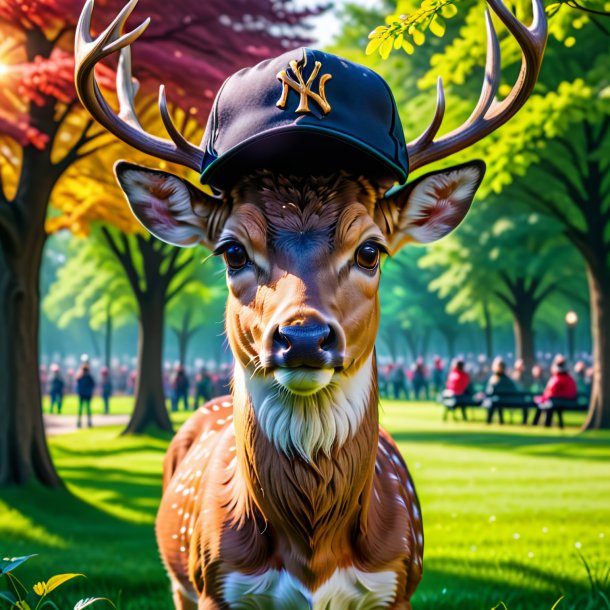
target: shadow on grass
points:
(478, 585)
(538, 445)
(81, 530)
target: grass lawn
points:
(507, 511)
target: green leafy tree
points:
(505, 255)
(91, 286)
(555, 151)
(410, 312)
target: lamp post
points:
(571, 322)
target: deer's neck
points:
(309, 464)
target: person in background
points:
(180, 389)
(56, 388)
(438, 374)
(518, 375)
(499, 383)
(203, 388)
(85, 385)
(106, 389)
(537, 379)
(580, 375)
(458, 383)
(561, 384)
(399, 381)
(420, 379)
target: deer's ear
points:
(429, 208)
(169, 207)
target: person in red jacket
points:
(458, 384)
(458, 379)
(561, 384)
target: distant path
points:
(64, 424)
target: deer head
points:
(303, 252)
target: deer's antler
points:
(488, 114)
(125, 125)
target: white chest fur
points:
(346, 589)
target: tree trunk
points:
(150, 408)
(599, 290)
(108, 339)
(524, 335)
(24, 452)
(488, 332)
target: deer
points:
(287, 493)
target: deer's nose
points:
(314, 345)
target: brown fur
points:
(233, 502)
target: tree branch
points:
(174, 269)
(9, 235)
(181, 285)
(545, 293)
(505, 300)
(125, 258)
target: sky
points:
(327, 26)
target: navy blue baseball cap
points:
(304, 112)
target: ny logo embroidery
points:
(303, 88)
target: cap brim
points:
(300, 150)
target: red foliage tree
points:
(43, 132)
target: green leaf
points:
(9, 564)
(557, 603)
(48, 602)
(88, 601)
(437, 26)
(9, 596)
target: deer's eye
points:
(236, 257)
(367, 256)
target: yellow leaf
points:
(372, 46)
(398, 41)
(386, 48)
(377, 31)
(418, 37)
(40, 588)
(408, 47)
(437, 26)
(449, 10)
(22, 605)
(60, 579)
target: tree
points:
(555, 150)
(91, 286)
(201, 304)
(44, 133)
(410, 312)
(560, 152)
(504, 254)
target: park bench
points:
(508, 401)
(557, 406)
(451, 402)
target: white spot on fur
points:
(346, 589)
(304, 425)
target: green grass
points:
(119, 405)
(507, 510)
